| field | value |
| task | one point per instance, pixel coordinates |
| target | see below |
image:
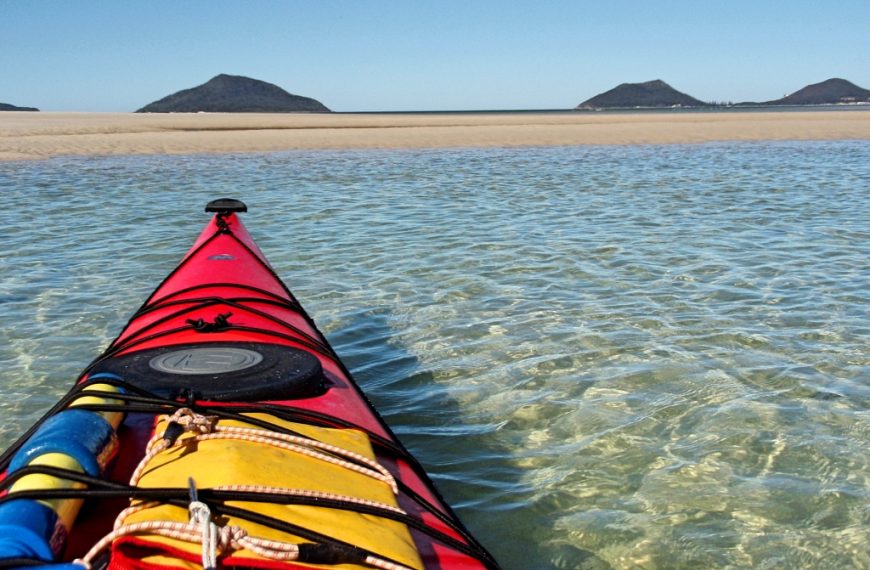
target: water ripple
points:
(635, 357)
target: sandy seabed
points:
(26, 135)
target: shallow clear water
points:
(607, 357)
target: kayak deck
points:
(227, 433)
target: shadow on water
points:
(478, 475)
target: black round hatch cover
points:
(222, 371)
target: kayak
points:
(221, 430)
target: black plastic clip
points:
(220, 323)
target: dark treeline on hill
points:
(658, 94)
(234, 94)
(8, 107)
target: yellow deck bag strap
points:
(226, 460)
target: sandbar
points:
(29, 135)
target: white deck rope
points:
(208, 429)
(302, 445)
(216, 540)
(200, 529)
(308, 493)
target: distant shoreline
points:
(632, 110)
(25, 135)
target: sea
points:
(607, 357)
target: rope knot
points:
(222, 226)
(231, 537)
(200, 519)
(192, 421)
(199, 512)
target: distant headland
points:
(831, 92)
(657, 95)
(234, 94)
(8, 107)
(238, 94)
(650, 94)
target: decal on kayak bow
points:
(206, 360)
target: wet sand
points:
(43, 135)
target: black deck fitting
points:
(225, 206)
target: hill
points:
(8, 107)
(828, 92)
(234, 94)
(650, 94)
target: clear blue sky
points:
(382, 55)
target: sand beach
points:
(26, 135)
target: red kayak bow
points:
(220, 429)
